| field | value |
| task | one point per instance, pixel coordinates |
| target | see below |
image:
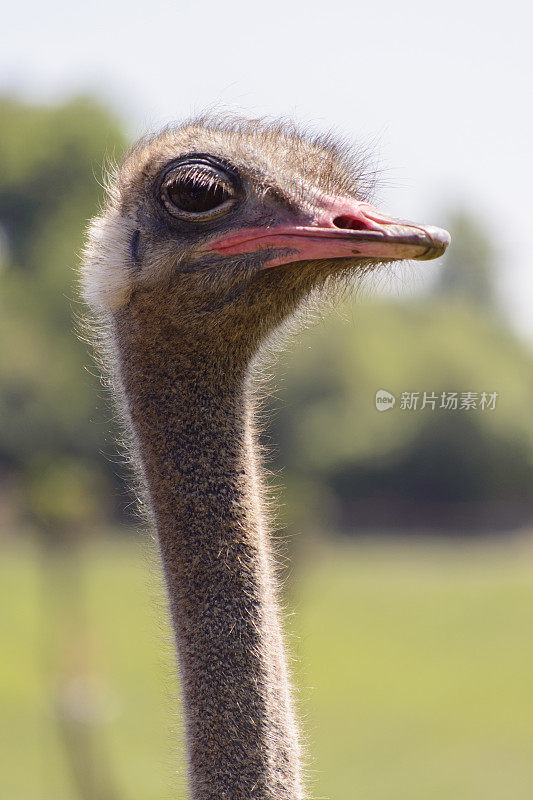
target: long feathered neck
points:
(191, 417)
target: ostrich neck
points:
(191, 416)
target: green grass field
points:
(414, 661)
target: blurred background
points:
(405, 533)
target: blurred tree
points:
(338, 453)
(467, 272)
(348, 465)
(50, 160)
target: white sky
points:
(445, 89)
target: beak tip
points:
(440, 239)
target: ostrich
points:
(215, 233)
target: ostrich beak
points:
(342, 228)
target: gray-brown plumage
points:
(214, 234)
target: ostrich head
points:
(222, 228)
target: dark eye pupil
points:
(195, 197)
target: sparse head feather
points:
(277, 158)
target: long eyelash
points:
(203, 176)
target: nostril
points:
(350, 223)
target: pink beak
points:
(343, 228)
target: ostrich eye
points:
(193, 197)
(197, 191)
